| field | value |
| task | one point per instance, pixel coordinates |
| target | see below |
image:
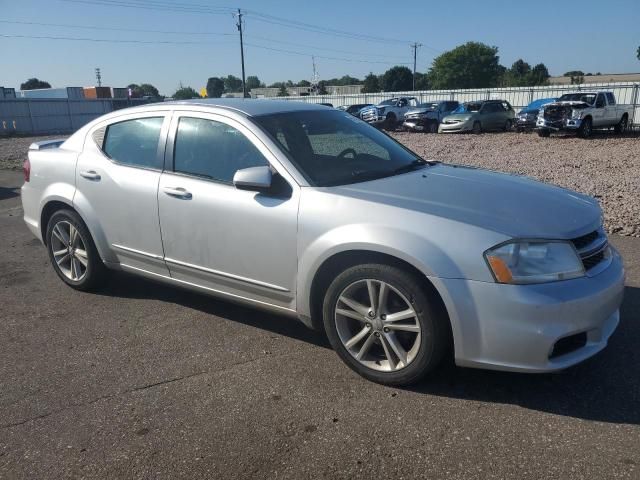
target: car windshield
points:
(578, 97)
(468, 107)
(334, 148)
(393, 101)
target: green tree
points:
(397, 79)
(539, 75)
(519, 74)
(136, 91)
(283, 91)
(149, 90)
(577, 76)
(34, 83)
(322, 87)
(232, 84)
(185, 93)
(303, 83)
(215, 87)
(472, 65)
(253, 82)
(371, 84)
(422, 81)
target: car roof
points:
(250, 106)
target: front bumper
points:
(556, 125)
(374, 118)
(455, 127)
(516, 327)
(418, 124)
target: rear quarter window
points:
(134, 142)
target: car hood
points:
(460, 116)
(508, 204)
(419, 110)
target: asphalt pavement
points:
(141, 380)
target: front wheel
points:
(507, 126)
(382, 324)
(543, 132)
(390, 122)
(477, 128)
(72, 252)
(433, 127)
(586, 129)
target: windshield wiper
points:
(417, 164)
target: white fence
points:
(519, 97)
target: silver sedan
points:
(312, 213)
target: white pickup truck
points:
(388, 114)
(582, 112)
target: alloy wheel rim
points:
(69, 251)
(377, 325)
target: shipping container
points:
(97, 92)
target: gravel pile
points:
(13, 150)
(606, 166)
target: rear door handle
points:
(177, 192)
(90, 175)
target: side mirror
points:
(253, 178)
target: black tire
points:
(543, 132)
(433, 127)
(586, 128)
(519, 130)
(390, 122)
(507, 125)
(95, 272)
(477, 128)
(433, 339)
(621, 127)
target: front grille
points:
(569, 344)
(592, 252)
(585, 240)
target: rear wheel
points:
(586, 128)
(433, 127)
(543, 132)
(382, 324)
(72, 252)
(622, 126)
(477, 128)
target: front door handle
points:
(90, 175)
(177, 192)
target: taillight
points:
(26, 169)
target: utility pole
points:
(415, 47)
(98, 77)
(315, 78)
(239, 25)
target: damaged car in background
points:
(582, 112)
(427, 116)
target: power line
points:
(116, 29)
(161, 6)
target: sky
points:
(169, 43)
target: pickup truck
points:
(582, 112)
(427, 116)
(388, 114)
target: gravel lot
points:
(606, 166)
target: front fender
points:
(424, 255)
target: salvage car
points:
(427, 116)
(355, 109)
(388, 114)
(310, 212)
(527, 117)
(582, 112)
(478, 117)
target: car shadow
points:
(9, 192)
(605, 388)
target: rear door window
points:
(134, 142)
(611, 100)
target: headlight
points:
(576, 114)
(380, 110)
(522, 262)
